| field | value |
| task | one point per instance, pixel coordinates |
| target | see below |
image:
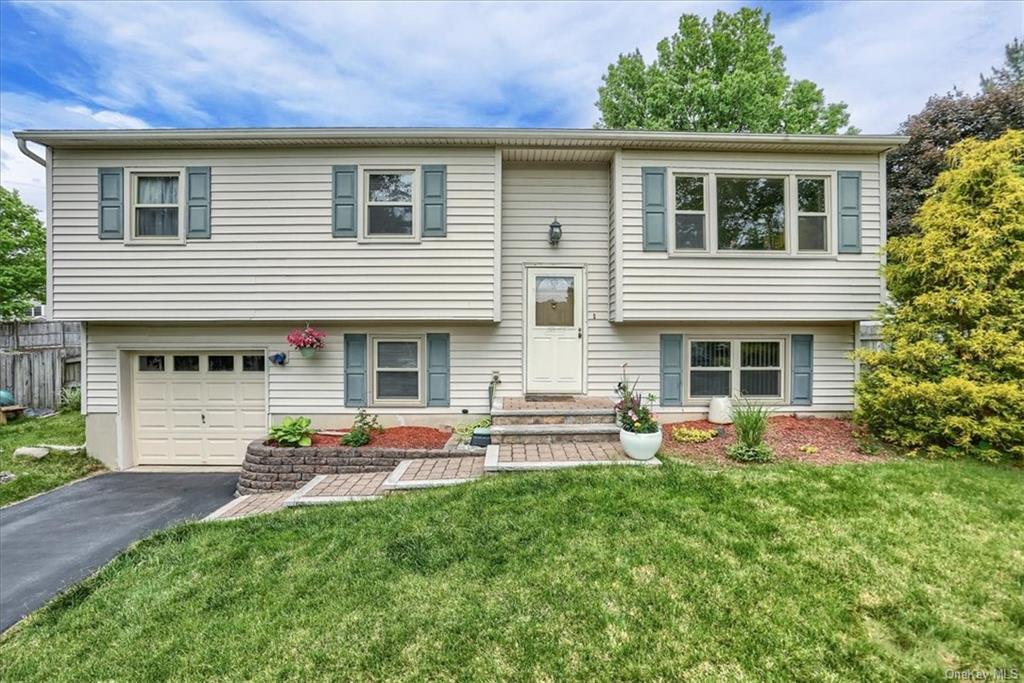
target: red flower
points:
(307, 338)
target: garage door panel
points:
(190, 391)
(197, 418)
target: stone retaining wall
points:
(272, 468)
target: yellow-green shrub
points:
(687, 435)
(950, 380)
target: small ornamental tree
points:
(950, 378)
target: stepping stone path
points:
(540, 436)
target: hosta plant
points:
(293, 431)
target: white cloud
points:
(511, 64)
(20, 111)
(885, 59)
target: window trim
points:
(827, 214)
(364, 203)
(421, 370)
(706, 213)
(131, 180)
(735, 367)
(711, 207)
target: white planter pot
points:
(720, 411)
(640, 446)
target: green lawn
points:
(36, 476)
(889, 571)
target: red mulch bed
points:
(835, 440)
(395, 437)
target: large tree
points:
(727, 76)
(945, 121)
(22, 256)
(950, 378)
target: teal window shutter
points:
(802, 372)
(355, 369)
(438, 369)
(435, 202)
(345, 212)
(849, 212)
(198, 187)
(671, 369)
(110, 189)
(655, 209)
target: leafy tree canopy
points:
(727, 76)
(951, 378)
(22, 256)
(944, 121)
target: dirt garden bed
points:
(394, 437)
(835, 441)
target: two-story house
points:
(437, 260)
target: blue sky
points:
(198, 64)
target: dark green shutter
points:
(671, 369)
(802, 372)
(345, 211)
(438, 372)
(655, 210)
(849, 212)
(198, 187)
(355, 369)
(110, 189)
(435, 205)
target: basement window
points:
(397, 370)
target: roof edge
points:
(532, 137)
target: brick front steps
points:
(270, 468)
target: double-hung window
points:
(390, 203)
(730, 367)
(397, 370)
(691, 213)
(156, 200)
(812, 214)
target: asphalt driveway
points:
(59, 538)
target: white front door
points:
(554, 330)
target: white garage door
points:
(197, 408)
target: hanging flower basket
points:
(308, 340)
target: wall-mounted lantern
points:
(554, 232)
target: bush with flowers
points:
(307, 338)
(633, 410)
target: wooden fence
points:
(38, 359)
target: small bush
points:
(364, 426)
(809, 449)
(293, 431)
(687, 435)
(759, 453)
(71, 398)
(750, 421)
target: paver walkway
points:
(432, 472)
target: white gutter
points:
(23, 146)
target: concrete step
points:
(501, 458)
(552, 433)
(551, 417)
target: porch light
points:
(554, 232)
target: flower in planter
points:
(307, 340)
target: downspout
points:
(23, 146)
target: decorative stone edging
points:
(273, 468)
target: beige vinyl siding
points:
(313, 386)
(272, 256)
(532, 195)
(638, 345)
(660, 286)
